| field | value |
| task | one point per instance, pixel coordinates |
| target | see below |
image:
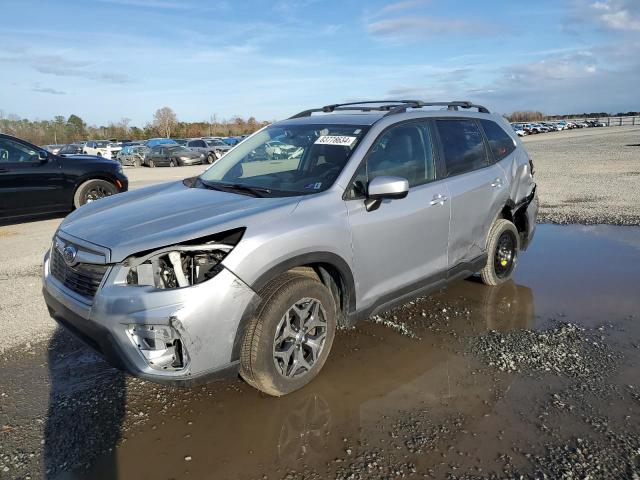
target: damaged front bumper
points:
(180, 336)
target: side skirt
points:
(423, 287)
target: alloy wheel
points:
(299, 338)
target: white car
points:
(99, 148)
(114, 149)
(519, 129)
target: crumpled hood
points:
(166, 214)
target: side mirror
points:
(383, 188)
(43, 156)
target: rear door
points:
(402, 245)
(477, 187)
(29, 185)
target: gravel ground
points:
(588, 176)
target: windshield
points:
(288, 160)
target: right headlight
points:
(184, 264)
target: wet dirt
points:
(536, 377)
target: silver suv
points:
(250, 267)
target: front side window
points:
(463, 146)
(11, 152)
(500, 142)
(402, 151)
(287, 160)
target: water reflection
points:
(373, 372)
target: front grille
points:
(83, 278)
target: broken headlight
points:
(182, 265)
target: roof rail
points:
(361, 106)
(454, 105)
(391, 106)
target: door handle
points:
(439, 199)
(497, 183)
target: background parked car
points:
(132, 155)
(172, 156)
(71, 149)
(99, 148)
(34, 181)
(219, 147)
(210, 152)
(53, 148)
(152, 142)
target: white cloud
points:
(414, 27)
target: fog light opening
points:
(159, 345)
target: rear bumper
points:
(205, 317)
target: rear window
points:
(500, 142)
(463, 146)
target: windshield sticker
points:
(340, 140)
(314, 186)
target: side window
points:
(402, 151)
(14, 152)
(463, 145)
(500, 142)
(201, 144)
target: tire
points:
(136, 162)
(152, 164)
(99, 154)
(211, 158)
(172, 163)
(500, 265)
(277, 318)
(91, 190)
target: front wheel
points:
(211, 158)
(172, 163)
(92, 190)
(503, 246)
(152, 164)
(289, 338)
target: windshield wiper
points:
(238, 187)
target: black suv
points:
(34, 181)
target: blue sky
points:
(109, 59)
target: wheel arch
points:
(330, 269)
(517, 214)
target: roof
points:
(361, 118)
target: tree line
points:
(534, 116)
(165, 123)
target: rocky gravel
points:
(588, 176)
(566, 349)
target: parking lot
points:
(468, 383)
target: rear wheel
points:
(136, 162)
(92, 190)
(503, 246)
(289, 338)
(152, 163)
(211, 158)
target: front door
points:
(403, 243)
(29, 185)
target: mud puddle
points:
(537, 377)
